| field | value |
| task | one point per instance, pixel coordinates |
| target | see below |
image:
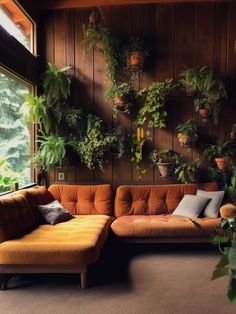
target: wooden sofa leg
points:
(83, 279)
(3, 281)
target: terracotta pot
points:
(136, 58)
(119, 102)
(222, 163)
(164, 168)
(94, 18)
(203, 113)
(186, 140)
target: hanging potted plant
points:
(122, 97)
(163, 159)
(153, 101)
(136, 54)
(208, 88)
(94, 18)
(186, 171)
(220, 153)
(187, 134)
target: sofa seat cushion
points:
(163, 226)
(75, 242)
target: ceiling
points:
(62, 4)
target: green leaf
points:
(232, 290)
(220, 239)
(220, 272)
(224, 261)
(232, 258)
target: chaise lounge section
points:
(29, 247)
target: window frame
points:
(31, 126)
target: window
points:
(14, 132)
(16, 23)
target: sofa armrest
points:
(228, 211)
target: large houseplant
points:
(220, 153)
(153, 101)
(163, 159)
(187, 133)
(209, 91)
(225, 236)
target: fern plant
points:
(34, 110)
(153, 108)
(56, 84)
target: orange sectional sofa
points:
(141, 212)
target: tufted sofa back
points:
(16, 217)
(154, 200)
(84, 199)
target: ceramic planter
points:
(222, 163)
(203, 113)
(94, 18)
(164, 168)
(136, 58)
(119, 102)
(186, 140)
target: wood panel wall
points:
(179, 35)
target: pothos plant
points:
(137, 142)
(209, 89)
(225, 236)
(122, 96)
(153, 101)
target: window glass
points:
(16, 23)
(14, 133)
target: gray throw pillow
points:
(212, 208)
(191, 206)
(54, 213)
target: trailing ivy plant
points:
(153, 101)
(209, 88)
(108, 44)
(93, 144)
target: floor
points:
(161, 279)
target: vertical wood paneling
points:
(179, 35)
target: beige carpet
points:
(169, 281)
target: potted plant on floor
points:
(152, 101)
(187, 134)
(163, 159)
(220, 153)
(231, 189)
(186, 171)
(209, 89)
(122, 96)
(225, 236)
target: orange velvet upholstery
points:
(75, 242)
(163, 226)
(228, 211)
(16, 217)
(154, 200)
(84, 199)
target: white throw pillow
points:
(191, 206)
(212, 208)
